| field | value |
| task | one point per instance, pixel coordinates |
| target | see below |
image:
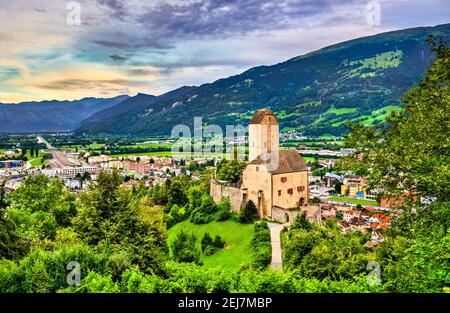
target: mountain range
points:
(51, 115)
(316, 93)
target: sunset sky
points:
(126, 47)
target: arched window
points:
(301, 202)
(286, 218)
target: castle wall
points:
(258, 183)
(284, 182)
(281, 215)
(284, 215)
(218, 190)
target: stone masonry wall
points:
(312, 212)
(234, 194)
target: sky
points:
(67, 50)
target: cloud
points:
(74, 81)
(154, 46)
(116, 7)
(142, 72)
(130, 41)
(118, 58)
(227, 17)
(160, 24)
(78, 84)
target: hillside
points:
(359, 80)
(51, 115)
(134, 108)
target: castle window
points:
(283, 179)
(300, 188)
(257, 168)
(279, 192)
(290, 191)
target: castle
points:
(275, 180)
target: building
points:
(346, 152)
(73, 171)
(331, 179)
(99, 160)
(351, 214)
(14, 184)
(275, 180)
(328, 163)
(356, 187)
(11, 164)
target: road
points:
(275, 230)
(59, 159)
(41, 139)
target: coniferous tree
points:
(249, 213)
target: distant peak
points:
(140, 94)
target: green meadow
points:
(237, 239)
(354, 201)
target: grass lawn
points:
(72, 148)
(150, 145)
(155, 153)
(377, 116)
(163, 154)
(341, 111)
(37, 162)
(354, 201)
(237, 242)
(96, 146)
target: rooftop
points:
(289, 161)
(264, 116)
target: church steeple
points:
(263, 134)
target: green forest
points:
(132, 240)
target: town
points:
(332, 194)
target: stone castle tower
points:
(263, 134)
(279, 192)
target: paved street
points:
(275, 230)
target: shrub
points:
(315, 200)
(301, 222)
(185, 248)
(169, 220)
(262, 256)
(210, 250)
(261, 246)
(218, 242)
(206, 241)
(45, 271)
(249, 214)
(198, 217)
(224, 210)
(175, 212)
(206, 212)
(210, 246)
(175, 215)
